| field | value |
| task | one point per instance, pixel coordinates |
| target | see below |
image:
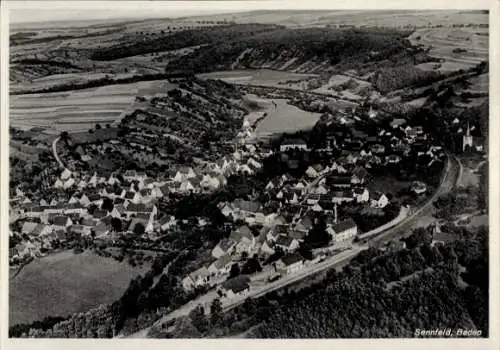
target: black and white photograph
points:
(246, 170)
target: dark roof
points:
(344, 225)
(292, 259)
(250, 206)
(60, 220)
(138, 208)
(297, 234)
(284, 241)
(294, 142)
(240, 232)
(98, 213)
(237, 284)
(225, 244)
(129, 195)
(222, 261)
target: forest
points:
(338, 46)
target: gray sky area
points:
(43, 11)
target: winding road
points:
(54, 151)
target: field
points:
(64, 283)
(79, 109)
(264, 77)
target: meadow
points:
(64, 283)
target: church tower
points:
(467, 139)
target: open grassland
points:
(65, 283)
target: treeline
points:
(319, 44)
(104, 82)
(186, 38)
(52, 63)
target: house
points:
(59, 184)
(361, 194)
(235, 287)
(81, 230)
(221, 266)
(288, 244)
(134, 197)
(291, 144)
(314, 170)
(61, 222)
(342, 181)
(304, 225)
(377, 148)
(196, 279)
(244, 238)
(320, 189)
(266, 249)
(84, 200)
(133, 208)
(418, 187)
(289, 264)
(342, 196)
(42, 230)
(186, 186)
(343, 231)
(184, 173)
(65, 175)
(379, 200)
(224, 247)
(397, 123)
(102, 229)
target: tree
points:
(199, 319)
(235, 271)
(252, 265)
(139, 228)
(107, 204)
(116, 224)
(98, 126)
(215, 311)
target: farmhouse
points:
(221, 266)
(288, 244)
(293, 144)
(196, 279)
(235, 287)
(343, 231)
(290, 264)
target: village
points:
(277, 231)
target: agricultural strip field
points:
(65, 283)
(81, 109)
(443, 41)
